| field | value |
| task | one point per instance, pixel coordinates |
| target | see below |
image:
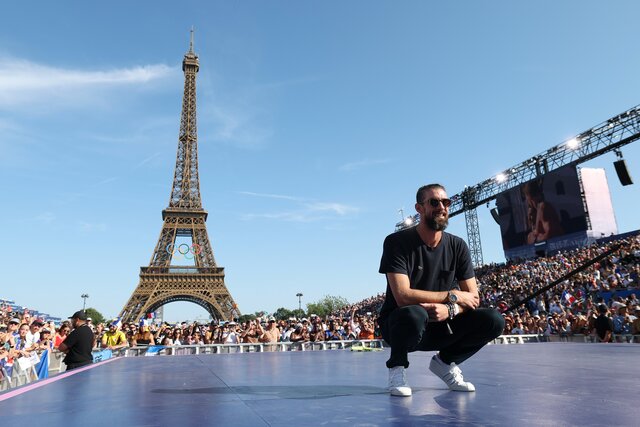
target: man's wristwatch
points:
(452, 298)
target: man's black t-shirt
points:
(429, 269)
(80, 343)
(603, 324)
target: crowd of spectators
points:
(575, 306)
(267, 330)
(572, 306)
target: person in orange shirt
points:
(366, 329)
(61, 334)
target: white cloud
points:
(336, 208)
(239, 127)
(87, 227)
(281, 216)
(46, 217)
(148, 159)
(107, 180)
(26, 82)
(350, 167)
(269, 196)
(305, 210)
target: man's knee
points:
(409, 314)
(410, 319)
(493, 321)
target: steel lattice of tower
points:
(163, 282)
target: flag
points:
(117, 322)
(568, 298)
(42, 368)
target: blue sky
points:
(317, 121)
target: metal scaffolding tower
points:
(473, 228)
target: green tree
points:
(246, 318)
(326, 305)
(283, 314)
(298, 313)
(96, 316)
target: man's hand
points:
(469, 300)
(437, 312)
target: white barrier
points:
(525, 338)
(23, 372)
(182, 350)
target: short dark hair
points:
(424, 189)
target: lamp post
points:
(299, 295)
(84, 300)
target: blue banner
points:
(153, 350)
(99, 356)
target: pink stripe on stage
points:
(38, 384)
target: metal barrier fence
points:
(526, 338)
(183, 350)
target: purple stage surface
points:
(554, 384)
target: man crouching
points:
(432, 297)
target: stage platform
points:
(554, 384)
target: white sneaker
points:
(398, 382)
(450, 374)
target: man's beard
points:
(438, 223)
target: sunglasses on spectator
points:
(435, 202)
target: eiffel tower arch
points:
(184, 232)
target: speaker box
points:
(623, 173)
(495, 215)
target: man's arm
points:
(404, 295)
(63, 348)
(469, 290)
(432, 301)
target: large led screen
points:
(541, 209)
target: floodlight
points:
(573, 143)
(501, 177)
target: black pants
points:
(72, 366)
(408, 329)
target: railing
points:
(527, 338)
(182, 350)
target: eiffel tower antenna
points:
(191, 42)
(162, 281)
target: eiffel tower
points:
(163, 282)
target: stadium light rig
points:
(573, 143)
(409, 221)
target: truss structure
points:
(162, 282)
(608, 136)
